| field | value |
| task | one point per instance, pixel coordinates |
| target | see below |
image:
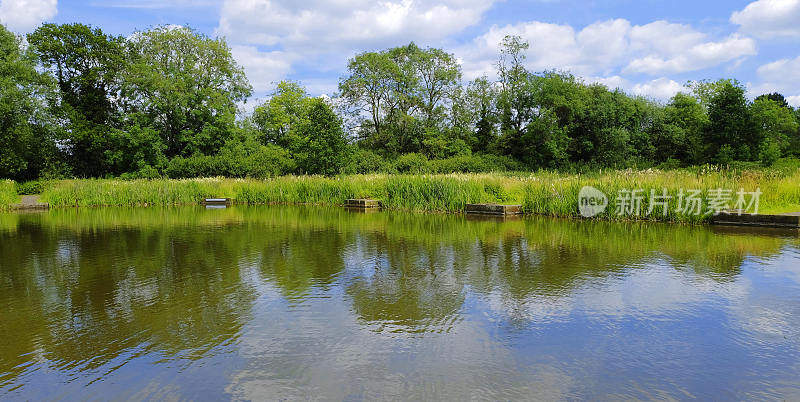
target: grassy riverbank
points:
(545, 193)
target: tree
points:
(481, 99)
(405, 92)
(777, 98)
(307, 127)
(731, 132)
(278, 118)
(776, 125)
(186, 87)
(369, 86)
(87, 65)
(25, 131)
(324, 148)
(514, 100)
(681, 136)
(439, 75)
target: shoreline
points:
(543, 194)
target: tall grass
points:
(8, 194)
(545, 193)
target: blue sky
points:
(645, 47)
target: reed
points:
(545, 193)
(8, 194)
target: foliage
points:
(26, 138)
(8, 194)
(164, 103)
(545, 193)
(87, 65)
(411, 163)
(307, 127)
(185, 86)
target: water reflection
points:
(282, 302)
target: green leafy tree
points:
(277, 119)
(186, 87)
(26, 140)
(731, 132)
(324, 148)
(87, 65)
(681, 135)
(307, 127)
(405, 92)
(775, 97)
(369, 86)
(777, 125)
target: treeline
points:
(77, 102)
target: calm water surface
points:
(313, 303)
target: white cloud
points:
(661, 88)
(321, 34)
(605, 47)
(25, 15)
(770, 18)
(263, 69)
(779, 76)
(784, 71)
(697, 57)
(334, 25)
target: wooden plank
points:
(217, 201)
(493, 209)
(362, 203)
(791, 220)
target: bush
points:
(263, 162)
(268, 161)
(193, 166)
(363, 161)
(31, 187)
(412, 163)
(670, 164)
(474, 164)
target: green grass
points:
(8, 194)
(545, 193)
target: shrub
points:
(31, 187)
(363, 161)
(262, 162)
(412, 163)
(474, 164)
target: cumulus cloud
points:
(606, 47)
(661, 89)
(780, 76)
(696, 57)
(263, 69)
(24, 15)
(320, 34)
(784, 71)
(346, 24)
(770, 18)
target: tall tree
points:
(731, 133)
(26, 142)
(777, 126)
(186, 86)
(775, 97)
(307, 127)
(87, 65)
(369, 86)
